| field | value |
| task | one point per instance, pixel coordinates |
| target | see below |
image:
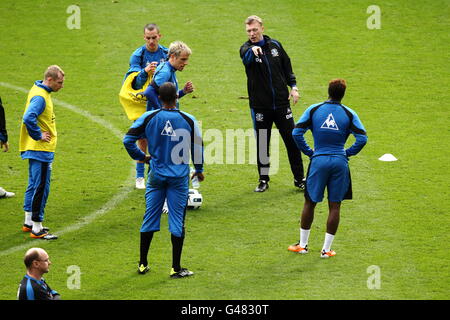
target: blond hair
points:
(252, 19)
(54, 72)
(178, 47)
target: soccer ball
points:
(195, 199)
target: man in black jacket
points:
(269, 73)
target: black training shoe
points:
(143, 269)
(262, 186)
(180, 274)
(300, 184)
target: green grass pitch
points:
(398, 80)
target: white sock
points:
(28, 218)
(328, 241)
(37, 227)
(304, 235)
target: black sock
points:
(146, 239)
(177, 247)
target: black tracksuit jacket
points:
(268, 76)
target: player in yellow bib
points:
(38, 138)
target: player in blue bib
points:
(172, 137)
(330, 123)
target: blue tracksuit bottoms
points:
(176, 190)
(36, 195)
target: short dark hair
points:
(151, 27)
(336, 89)
(168, 92)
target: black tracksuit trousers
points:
(263, 119)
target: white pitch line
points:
(110, 205)
(117, 133)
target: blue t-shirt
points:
(141, 58)
(330, 123)
(163, 73)
(172, 135)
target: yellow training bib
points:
(45, 121)
(133, 101)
